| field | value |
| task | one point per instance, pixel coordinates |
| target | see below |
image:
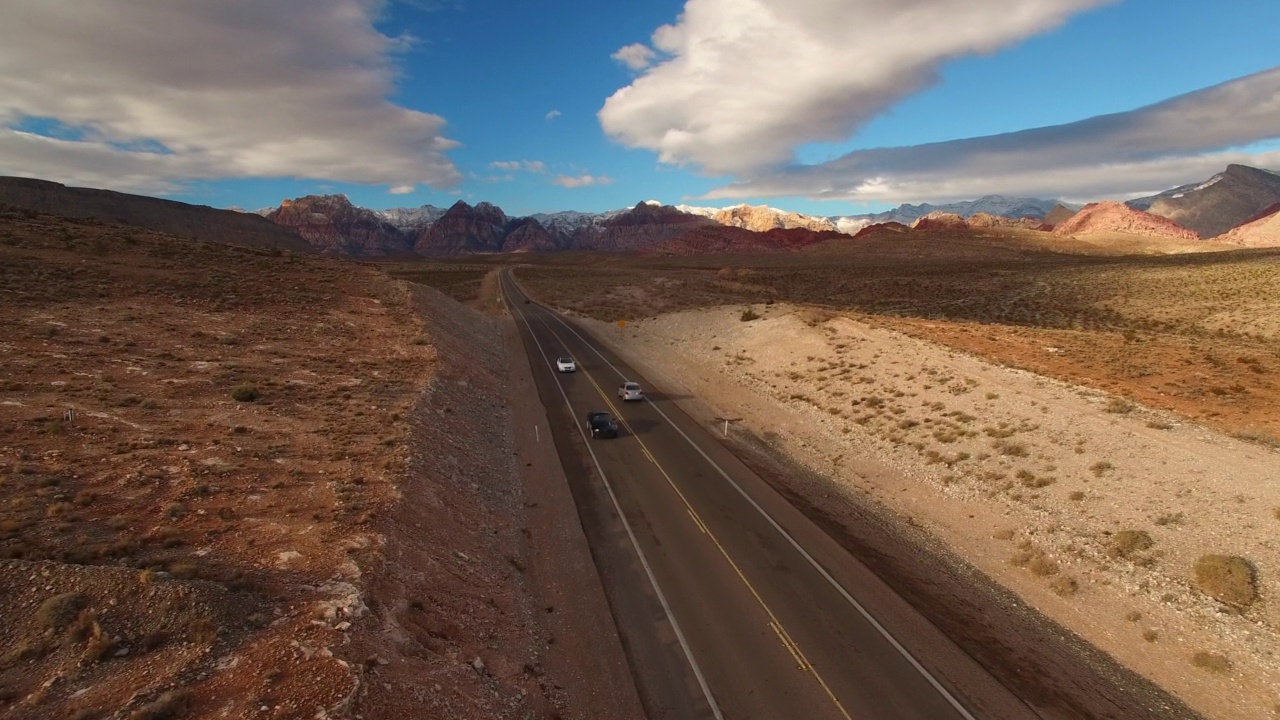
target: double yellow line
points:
(802, 663)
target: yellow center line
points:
(783, 636)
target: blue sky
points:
(820, 106)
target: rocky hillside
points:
(1217, 204)
(939, 220)
(1119, 218)
(1263, 231)
(166, 216)
(331, 224)
(464, 230)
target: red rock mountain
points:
(1262, 231)
(641, 227)
(884, 229)
(1116, 217)
(939, 220)
(464, 230)
(331, 224)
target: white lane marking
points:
(644, 562)
(805, 553)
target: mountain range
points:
(332, 224)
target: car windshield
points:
(631, 386)
(602, 418)
(566, 359)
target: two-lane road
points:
(730, 602)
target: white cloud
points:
(160, 93)
(576, 181)
(552, 115)
(1150, 149)
(532, 166)
(401, 189)
(748, 81)
(636, 56)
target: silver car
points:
(630, 391)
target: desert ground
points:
(240, 482)
(1097, 435)
(246, 482)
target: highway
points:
(730, 603)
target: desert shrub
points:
(247, 392)
(1012, 449)
(56, 613)
(1213, 662)
(1100, 467)
(748, 315)
(1261, 438)
(1076, 495)
(1127, 542)
(1229, 579)
(1065, 586)
(1119, 406)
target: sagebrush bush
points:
(1127, 542)
(247, 392)
(1229, 579)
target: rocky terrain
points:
(244, 482)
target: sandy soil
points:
(1034, 481)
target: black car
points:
(601, 424)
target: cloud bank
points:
(738, 85)
(577, 181)
(1179, 140)
(153, 94)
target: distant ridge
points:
(1218, 204)
(167, 216)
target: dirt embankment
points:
(1118, 522)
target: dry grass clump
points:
(247, 392)
(1065, 586)
(57, 613)
(1034, 559)
(1119, 406)
(1213, 662)
(1012, 449)
(1127, 542)
(1229, 579)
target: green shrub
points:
(247, 392)
(748, 315)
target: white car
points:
(566, 364)
(630, 391)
